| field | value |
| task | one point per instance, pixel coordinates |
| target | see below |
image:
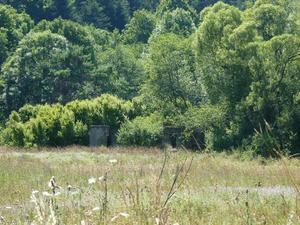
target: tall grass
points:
(145, 186)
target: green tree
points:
(122, 70)
(270, 20)
(118, 12)
(139, 28)
(223, 52)
(37, 72)
(178, 21)
(143, 4)
(170, 5)
(13, 27)
(86, 43)
(172, 79)
(42, 9)
(90, 12)
(249, 64)
(272, 100)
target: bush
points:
(52, 125)
(106, 110)
(58, 125)
(199, 123)
(142, 131)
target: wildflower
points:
(102, 178)
(124, 214)
(114, 218)
(96, 209)
(157, 220)
(46, 194)
(34, 192)
(74, 193)
(113, 161)
(92, 180)
(69, 187)
(57, 193)
(2, 219)
(52, 185)
(82, 222)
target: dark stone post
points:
(98, 135)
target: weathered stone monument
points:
(99, 135)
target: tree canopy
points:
(230, 69)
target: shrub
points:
(13, 134)
(58, 125)
(142, 131)
(106, 109)
(199, 123)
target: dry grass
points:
(215, 189)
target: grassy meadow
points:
(145, 186)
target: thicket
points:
(142, 131)
(229, 68)
(58, 125)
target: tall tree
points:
(173, 83)
(90, 12)
(140, 27)
(13, 27)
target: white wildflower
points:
(102, 178)
(34, 192)
(46, 194)
(124, 214)
(82, 222)
(89, 213)
(96, 209)
(157, 220)
(92, 180)
(74, 193)
(57, 193)
(69, 187)
(114, 218)
(113, 161)
(52, 183)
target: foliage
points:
(230, 68)
(142, 131)
(170, 5)
(90, 12)
(13, 27)
(274, 89)
(57, 125)
(56, 62)
(252, 67)
(140, 27)
(206, 117)
(178, 21)
(172, 78)
(122, 69)
(40, 61)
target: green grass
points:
(133, 187)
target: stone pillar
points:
(98, 135)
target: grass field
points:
(145, 186)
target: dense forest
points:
(230, 68)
